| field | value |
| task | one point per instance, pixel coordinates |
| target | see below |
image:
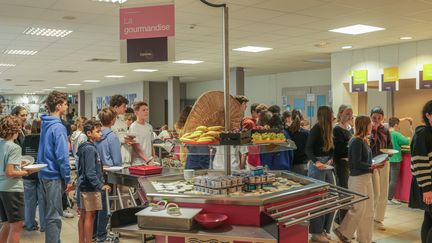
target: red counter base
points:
(403, 186)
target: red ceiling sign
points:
(147, 22)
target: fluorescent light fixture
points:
(406, 38)
(74, 84)
(59, 87)
(188, 62)
(111, 1)
(29, 93)
(7, 65)
(46, 32)
(146, 70)
(48, 89)
(20, 52)
(91, 81)
(357, 29)
(347, 47)
(253, 49)
(114, 76)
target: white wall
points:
(409, 57)
(123, 89)
(266, 88)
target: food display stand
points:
(280, 216)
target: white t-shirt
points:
(120, 129)
(145, 139)
(218, 161)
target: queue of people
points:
(337, 149)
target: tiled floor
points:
(403, 226)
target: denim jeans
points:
(32, 199)
(101, 221)
(323, 223)
(52, 195)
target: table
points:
(226, 233)
(403, 186)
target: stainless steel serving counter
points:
(123, 177)
(309, 185)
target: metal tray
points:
(162, 220)
(309, 185)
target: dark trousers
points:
(101, 221)
(342, 174)
(426, 229)
(394, 175)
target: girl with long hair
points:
(359, 218)
(319, 150)
(299, 135)
(421, 160)
(342, 133)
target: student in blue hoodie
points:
(109, 149)
(90, 181)
(54, 151)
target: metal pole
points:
(226, 88)
(225, 38)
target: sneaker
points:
(379, 225)
(394, 202)
(340, 236)
(67, 214)
(327, 236)
(319, 238)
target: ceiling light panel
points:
(357, 29)
(20, 52)
(111, 1)
(59, 87)
(406, 38)
(7, 65)
(145, 70)
(114, 76)
(188, 61)
(47, 32)
(91, 81)
(346, 47)
(253, 49)
(74, 84)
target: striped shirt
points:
(421, 157)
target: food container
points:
(162, 220)
(145, 169)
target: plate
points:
(35, 166)
(328, 167)
(389, 151)
(379, 159)
(29, 159)
(114, 168)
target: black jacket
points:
(90, 176)
(341, 138)
(300, 138)
(315, 144)
(359, 157)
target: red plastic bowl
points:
(211, 220)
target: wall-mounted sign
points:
(389, 80)
(359, 81)
(147, 34)
(422, 83)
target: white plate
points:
(35, 166)
(379, 159)
(114, 168)
(29, 159)
(328, 167)
(389, 151)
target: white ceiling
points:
(291, 27)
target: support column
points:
(146, 92)
(81, 103)
(173, 100)
(237, 81)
